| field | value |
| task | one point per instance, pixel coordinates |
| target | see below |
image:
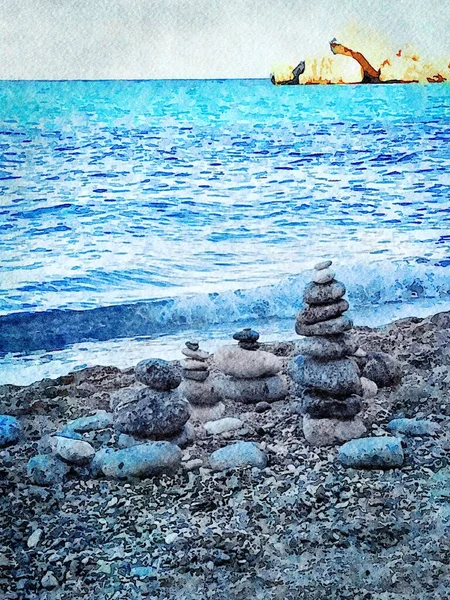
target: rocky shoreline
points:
(303, 526)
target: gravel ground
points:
(304, 527)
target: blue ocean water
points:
(142, 207)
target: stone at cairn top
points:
(192, 345)
(247, 338)
(157, 374)
(323, 265)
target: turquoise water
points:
(182, 192)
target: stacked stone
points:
(156, 412)
(198, 387)
(325, 371)
(250, 375)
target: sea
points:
(135, 215)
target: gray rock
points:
(245, 364)
(34, 538)
(319, 407)
(192, 345)
(194, 464)
(223, 425)
(383, 369)
(49, 581)
(100, 420)
(331, 432)
(330, 327)
(336, 378)
(46, 469)
(325, 264)
(143, 460)
(249, 391)
(124, 396)
(77, 452)
(155, 414)
(319, 313)
(330, 347)
(246, 335)
(200, 393)
(376, 452)
(262, 407)
(158, 374)
(182, 438)
(10, 430)
(195, 354)
(190, 364)
(195, 375)
(203, 414)
(413, 427)
(370, 388)
(316, 293)
(323, 276)
(240, 454)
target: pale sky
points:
(145, 39)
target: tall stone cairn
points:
(327, 377)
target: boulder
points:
(240, 454)
(158, 374)
(331, 432)
(246, 364)
(336, 378)
(10, 430)
(375, 452)
(383, 369)
(154, 414)
(249, 391)
(143, 460)
(46, 469)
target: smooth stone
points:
(100, 420)
(383, 369)
(200, 393)
(413, 427)
(46, 469)
(190, 364)
(223, 425)
(318, 407)
(359, 353)
(142, 460)
(323, 276)
(193, 465)
(34, 538)
(155, 414)
(192, 345)
(182, 438)
(262, 407)
(245, 364)
(49, 581)
(77, 452)
(196, 375)
(374, 452)
(329, 327)
(207, 413)
(246, 335)
(331, 432)
(195, 354)
(336, 378)
(250, 391)
(325, 264)
(327, 293)
(327, 347)
(319, 313)
(10, 430)
(158, 374)
(369, 388)
(123, 396)
(240, 454)
(249, 345)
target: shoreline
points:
(304, 527)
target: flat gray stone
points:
(372, 453)
(318, 407)
(336, 378)
(100, 420)
(246, 364)
(195, 375)
(154, 414)
(143, 460)
(200, 393)
(195, 354)
(413, 427)
(249, 391)
(325, 264)
(318, 313)
(329, 327)
(182, 438)
(203, 414)
(240, 454)
(158, 374)
(323, 276)
(331, 432)
(190, 364)
(326, 347)
(316, 293)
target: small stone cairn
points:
(198, 386)
(325, 372)
(156, 412)
(249, 374)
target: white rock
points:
(370, 388)
(331, 432)
(193, 464)
(222, 425)
(34, 538)
(360, 353)
(171, 537)
(77, 452)
(247, 364)
(323, 276)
